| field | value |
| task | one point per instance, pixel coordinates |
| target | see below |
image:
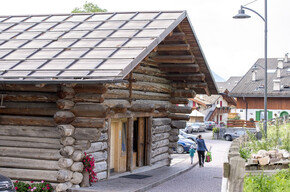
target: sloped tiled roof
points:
(80, 47)
(248, 88)
(229, 84)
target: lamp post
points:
(242, 15)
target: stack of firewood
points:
(264, 157)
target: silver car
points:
(194, 127)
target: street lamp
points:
(242, 15)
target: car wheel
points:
(179, 149)
(228, 138)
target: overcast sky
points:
(231, 46)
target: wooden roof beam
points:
(189, 85)
(186, 77)
(176, 36)
(173, 47)
(179, 68)
(174, 59)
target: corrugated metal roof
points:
(248, 88)
(80, 47)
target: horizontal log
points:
(149, 78)
(161, 129)
(183, 93)
(160, 136)
(28, 163)
(90, 110)
(30, 97)
(180, 109)
(151, 87)
(159, 151)
(64, 104)
(189, 85)
(174, 59)
(97, 146)
(26, 120)
(124, 94)
(148, 71)
(174, 116)
(173, 47)
(29, 144)
(48, 154)
(66, 93)
(160, 143)
(182, 68)
(160, 121)
(95, 88)
(31, 139)
(30, 131)
(82, 145)
(19, 108)
(119, 108)
(160, 157)
(157, 103)
(162, 108)
(100, 156)
(88, 122)
(29, 175)
(176, 36)
(140, 107)
(87, 133)
(88, 97)
(63, 117)
(113, 102)
(28, 87)
(176, 100)
(186, 77)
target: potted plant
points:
(215, 132)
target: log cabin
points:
(250, 90)
(107, 84)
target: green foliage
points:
(88, 7)
(33, 187)
(215, 130)
(235, 118)
(278, 182)
(245, 153)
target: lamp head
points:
(241, 15)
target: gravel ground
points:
(206, 179)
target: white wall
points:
(252, 113)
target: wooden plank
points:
(173, 47)
(130, 133)
(146, 70)
(183, 93)
(150, 78)
(30, 131)
(109, 147)
(177, 100)
(28, 163)
(35, 153)
(7, 143)
(174, 59)
(26, 120)
(30, 96)
(180, 109)
(182, 68)
(27, 108)
(31, 139)
(141, 144)
(190, 85)
(186, 77)
(148, 147)
(29, 175)
(176, 36)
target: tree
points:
(88, 8)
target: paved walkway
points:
(180, 164)
(206, 179)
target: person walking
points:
(191, 153)
(201, 148)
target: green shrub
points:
(215, 130)
(33, 187)
(245, 153)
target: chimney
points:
(254, 75)
(278, 73)
(286, 58)
(280, 64)
(276, 86)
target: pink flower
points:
(34, 187)
(16, 181)
(16, 188)
(29, 187)
(31, 181)
(42, 181)
(48, 188)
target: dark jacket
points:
(201, 145)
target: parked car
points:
(6, 184)
(186, 135)
(183, 144)
(194, 127)
(209, 125)
(230, 135)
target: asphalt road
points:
(206, 179)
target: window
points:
(221, 103)
(124, 140)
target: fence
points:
(241, 123)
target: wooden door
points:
(141, 142)
(118, 146)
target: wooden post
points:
(109, 148)
(140, 157)
(237, 173)
(130, 130)
(148, 147)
